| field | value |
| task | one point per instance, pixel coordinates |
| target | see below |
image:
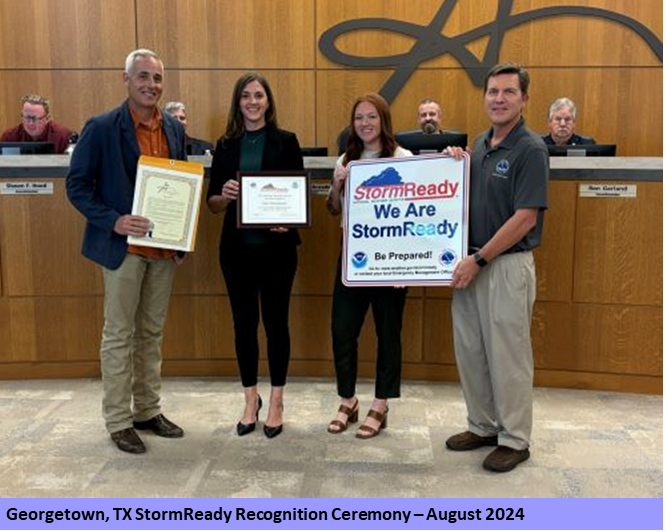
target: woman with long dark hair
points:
(371, 137)
(253, 142)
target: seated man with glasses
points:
(36, 125)
(562, 117)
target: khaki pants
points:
(493, 351)
(136, 297)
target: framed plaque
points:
(405, 220)
(273, 199)
(168, 193)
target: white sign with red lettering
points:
(406, 220)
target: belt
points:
(472, 250)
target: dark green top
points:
(252, 150)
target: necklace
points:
(254, 137)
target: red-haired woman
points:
(371, 137)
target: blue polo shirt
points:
(514, 175)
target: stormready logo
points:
(389, 185)
(430, 43)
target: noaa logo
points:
(359, 259)
(448, 257)
(503, 166)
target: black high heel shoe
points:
(272, 432)
(243, 429)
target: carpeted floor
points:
(585, 444)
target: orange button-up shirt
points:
(152, 142)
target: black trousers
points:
(260, 276)
(350, 306)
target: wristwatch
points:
(481, 261)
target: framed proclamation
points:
(168, 193)
(405, 220)
(273, 199)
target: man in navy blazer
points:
(137, 279)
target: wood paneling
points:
(201, 274)
(599, 381)
(199, 327)
(310, 326)
(438, 334)
(606, 339)
(229, 34)
(43, 258)
(65, 34)
(51, 308)
(74, 95)
(301, 368)
(598, 318)
(319, 251)
(611, 339)
(619, 248)
(568, 41)
(555, 41)
(636, 128)
(206, 44)
(554, 259)
(208, 95)
(50, 329)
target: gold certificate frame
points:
(168, 193)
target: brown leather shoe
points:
(467, 441)
(129, 441)
(505, 459)
(366, 432)
(336, 426)
(161, 426)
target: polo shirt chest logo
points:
(502, 167)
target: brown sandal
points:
(365, 432)
(352, 417)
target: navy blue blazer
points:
(101, 177)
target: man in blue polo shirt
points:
(495, 283)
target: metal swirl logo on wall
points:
(431, 43)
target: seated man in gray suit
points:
(562, 117)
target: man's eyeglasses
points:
(32, 119)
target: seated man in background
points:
(36, 125)
(430, 116)
(562, 118)
(193, 146)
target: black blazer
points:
(281, 152)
